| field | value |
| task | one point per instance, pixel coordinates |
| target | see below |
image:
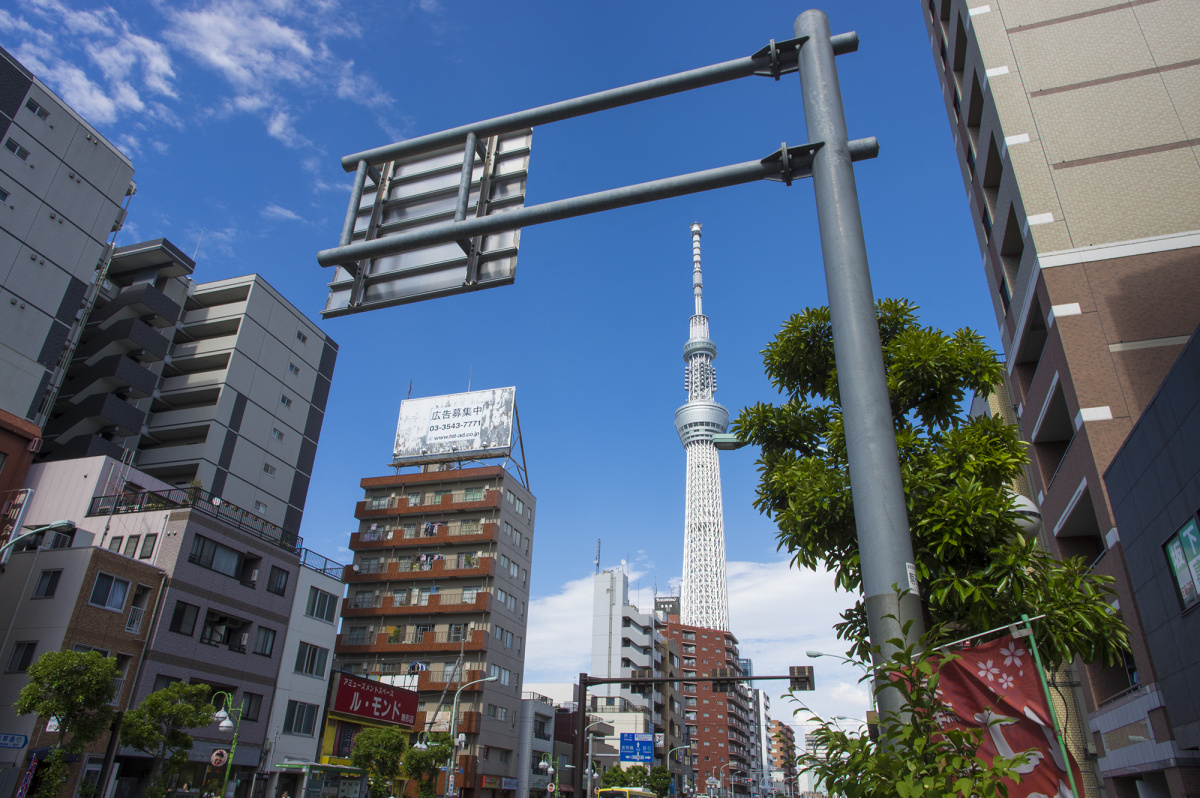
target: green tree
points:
(159, 727)
(975, 568)
(659, 780)
(380, 752)
(616, 777)
(75, 689)
(424, 765)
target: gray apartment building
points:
(437, 598)
(1076, 127)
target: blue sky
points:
(236, 113)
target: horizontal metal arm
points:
(799, 162)
(590, 103)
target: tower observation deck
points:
(704, 595)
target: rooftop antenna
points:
(409, 390)
(469, 375)
(196, 251)
(597, 555)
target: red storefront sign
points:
(995, 686)
(372, 700)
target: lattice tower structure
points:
(704, 598)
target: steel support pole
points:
(578, 750)
(360, 181)
(880, 515)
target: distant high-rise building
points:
(704, 598)
(1076, 129)
(783, 756)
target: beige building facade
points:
(1077, 126)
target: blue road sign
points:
(637, 747)
(13, 740)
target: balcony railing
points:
(204, 502)
(320, 564)
(415, 638)
(365, 602)
(134, 624)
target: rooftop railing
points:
(202, 501)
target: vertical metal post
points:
(881, 518)
(360, 180)
(578, 750)
(464, 180)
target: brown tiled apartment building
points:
(1077, 126)
(437, 599)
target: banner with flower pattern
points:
(995, 686)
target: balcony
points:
(450, 601)
(450, 533)
(134, 624)
(412, 642)
(377, 572)
(454, 501)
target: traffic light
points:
(726, 685)
(802, 677)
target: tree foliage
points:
(975, 568)
(379, 751)
(424, 765)
(912, 758)
(159, 727)
(658, 781)
(632, 776)
(75, 689)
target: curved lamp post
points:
(226, 725)
(590, 773)
(452, 763)
(547, 767)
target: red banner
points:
(374, 700)
(995, 687)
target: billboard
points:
(373, 700)
(455, 426)
(417, 192)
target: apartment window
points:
(148, 546)
(285, 400)
(21, 657)
(82, 649)
(183, 620)
(260, 507)
(301, 337)
(278, 582)
(109, 592)
(162, 681)
(131, 545)
(469, 595)
(293, 368)
(41, 112)
(114, 544)
(276, 433)
(47, 583)
(251, 706)
(16, 149)
(504, 756)
(321, 604)
(499, 713)
(300, 719)
(509, 497)
(264, 641)
(520, 506)
(473, 495)
(268, 469)
(310, 660)
(3, 198)
(508, 639)
(414, 499)
(208, 553)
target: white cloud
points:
(776, 612)
(280, 213)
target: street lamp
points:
(452, 764)
(548, 768)
(867, 671)
(227, 725)
(591, 770)
(64, 527)
(673, 750)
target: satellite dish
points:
(355, 567)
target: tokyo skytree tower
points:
(704, 598)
